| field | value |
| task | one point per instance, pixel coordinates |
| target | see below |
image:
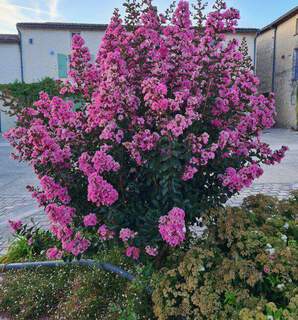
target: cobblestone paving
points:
(16, 202)
(280, 191)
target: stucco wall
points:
(264, 60)
(285, 87)
(10, 69)
(40, 57)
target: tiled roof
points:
(9, 38)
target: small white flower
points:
(202, 268)
(270, 318)
(286, 225)
(198, 229)
(284, 238)
(269, 249)
(280, 286)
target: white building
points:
(42, 50)
(45, 47)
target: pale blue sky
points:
(254, 13)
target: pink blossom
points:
(126, 234)
(105, 233)
(78, 245)
(189, 173)
(133, 252)
(100, 191)
(90, 220)
(172, 227)
(151, 251)
(16, 225)
(60, 214)
(52, 190)
(54, 254)
(266, 269)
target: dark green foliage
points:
(18, 95)
(30, 243)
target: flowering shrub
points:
(170, 117)
(245, 267)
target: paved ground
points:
(281, 179)
(16, 202)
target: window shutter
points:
(62, 65)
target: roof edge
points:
(9, 38)
(288, 15)
(89, 26)
(62, 26)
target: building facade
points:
(277, 66)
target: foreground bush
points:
(169, 125)
(75, 293)
(240, 264)
(245, 267)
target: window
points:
(31, 40)
(296, 26)
(295, 64)
(62, 65)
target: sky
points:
(254, 13)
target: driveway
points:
(16, 202)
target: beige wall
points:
(264, 60)
(284, 87)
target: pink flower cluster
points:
(54, 253)
(15, 225)
(90, 220)
(133, 252)
(77, 245)
(100, 191)
(142, 141)
(105, 233)
(53, 190)
(235, 180)
(172, 227)
(127, 234)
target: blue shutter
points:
(62, 65)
